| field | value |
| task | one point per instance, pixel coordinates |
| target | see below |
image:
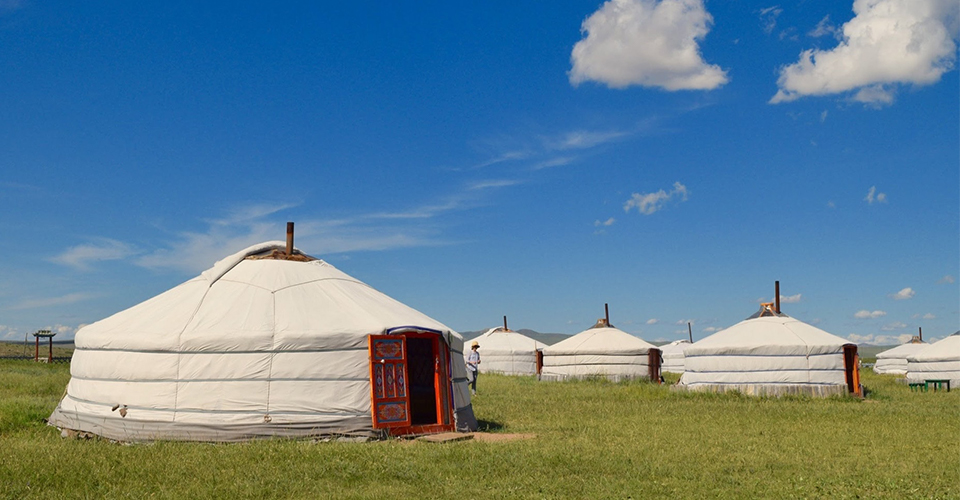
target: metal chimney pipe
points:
(920, 330)
(606, 313)
(505, 323)
(289, 238)
(690, 331)
(777, 286)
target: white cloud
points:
(653, 321)
(831, 204)
(101, 249)
(887, 43)
(648, 203)
(948, 280)
(712, 329)
(905, 294)
(50, 301)
(865, 314)
(896, 325)
(685, 321)
(874, 196)
(925, 316)
(646, 42)
(790, 299)
(608, 222)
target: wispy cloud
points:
(905, 294)
(874, 196)
(865, 314)
(653, 321)
(608, 222)
(100, 249)
(505, 157)
(823, 28)
(768, 18)
(896, 325)
(195, 251)
(7, 5)
(946, 280)
(51, 301)
(493, 183)
(649, 203)
(712, 329)
(685, 321)
(790, 299)
(879, 339)
(585, 139)
(558, 161)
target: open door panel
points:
(390, 398)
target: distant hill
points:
(543, 338)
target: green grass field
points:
(593, 440)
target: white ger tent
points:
(266, 343)
(508, 352)
(771, 353)
(894, 361)
(673, 355)
(601, 351)
(937, 361)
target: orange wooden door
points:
(390, 398)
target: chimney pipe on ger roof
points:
(289, 238)
(606, 313)
(777, 286)
(920, 331)
(505, 323)
(690, 331)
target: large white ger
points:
(601, 351)
(508, 352)
(771, 353)
(937, 361)
(267, 343)
(894, 361)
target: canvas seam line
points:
(224, 412)
(176, 392)
(262, 351)
(207, 380)
(273, 345)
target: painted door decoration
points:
(388, 376)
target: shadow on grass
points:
(488, 426)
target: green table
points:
(939, 384)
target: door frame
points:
(442, 380)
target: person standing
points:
(473, 365)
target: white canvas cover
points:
(894, 361)
(506, 352)
(767, 355)
(938, 361)
(601, 351)
(672, 354)
(248, 349)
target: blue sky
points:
(534, 160)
